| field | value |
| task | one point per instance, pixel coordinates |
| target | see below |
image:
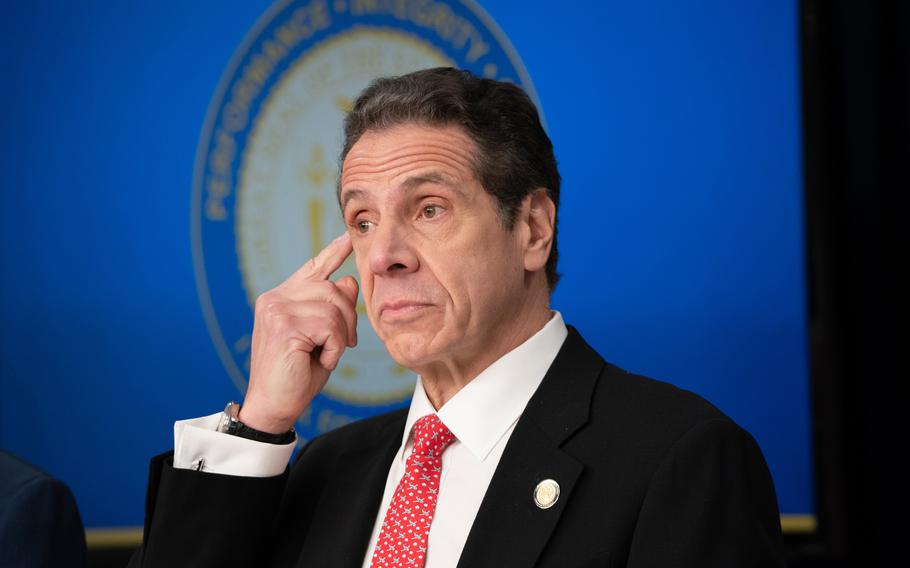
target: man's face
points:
(440, 274)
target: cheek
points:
(456, 286)
(492, 278)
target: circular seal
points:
(263, 198)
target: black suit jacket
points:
(650, 475)
(40, 526)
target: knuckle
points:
(328, 322)
(266, 300)
(324, 310)
(326, 289)
(327, 327)
(283, 323)
(274, 310)
(300, 344)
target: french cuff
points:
(198, 446)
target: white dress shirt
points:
(482, 416)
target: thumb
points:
(349, 287)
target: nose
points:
(390, 251)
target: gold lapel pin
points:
(546, 493)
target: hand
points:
(300, 330)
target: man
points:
(521, 446)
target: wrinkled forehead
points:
(399, 151)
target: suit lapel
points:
(347, 510)
(510, 530)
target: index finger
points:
(324, 264)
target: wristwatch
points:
(230, 424)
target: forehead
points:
(396, 153)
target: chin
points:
(410, 350)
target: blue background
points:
(677, 129)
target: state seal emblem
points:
(263, 199)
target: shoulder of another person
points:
(20, 478)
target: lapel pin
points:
(546, 493)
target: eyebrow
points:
(407, 185)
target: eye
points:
(362, 225)
(430, 211)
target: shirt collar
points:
(484, 409)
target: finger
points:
(332, 350)
(317, 335)
(339, 311)
(349, 287)
(321, 266)
(342, 298)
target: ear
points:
(538, 215)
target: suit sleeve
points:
(206, 519)
(711, 503)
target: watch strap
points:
(230, 424)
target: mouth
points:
(401, 310)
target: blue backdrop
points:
(676, 125)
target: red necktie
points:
(403, 537)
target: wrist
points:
(232, 424)
(254, 418)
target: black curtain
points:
(856, 118)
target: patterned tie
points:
(403, 537)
